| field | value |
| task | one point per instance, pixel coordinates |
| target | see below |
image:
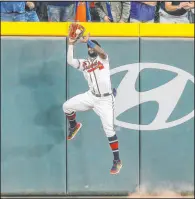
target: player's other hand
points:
(85, 39)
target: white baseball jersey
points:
(96, 71)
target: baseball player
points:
(99, 97)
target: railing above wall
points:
(98, 29)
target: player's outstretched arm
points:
(99, 50)
(71, 61)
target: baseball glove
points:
(75, 32)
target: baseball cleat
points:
(117, 165)
(74, 131)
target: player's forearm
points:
(98, 50)
(71, 61)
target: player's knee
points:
(68, 108)
(109, 131)
(65, 108)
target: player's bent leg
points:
(106, 112)
(74, 126)
(70, 107)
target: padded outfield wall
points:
(152, 67)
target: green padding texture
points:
(155, 88)
(89, 156)
(167, 153)
(33, 89)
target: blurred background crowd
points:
(81, 11)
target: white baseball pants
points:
(103, 107)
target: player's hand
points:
(85, 39)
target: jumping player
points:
(99, 97)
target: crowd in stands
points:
(100, 11)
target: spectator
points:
(94, 14)
(113, 11)
(143, 11)
(156, 18)
(60, 10)
(174, 12)
(31, 14)
(13, 11)
(192, 16)
(191, 11)
(41, 9)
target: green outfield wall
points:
(154, 119)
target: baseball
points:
(78, 31)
